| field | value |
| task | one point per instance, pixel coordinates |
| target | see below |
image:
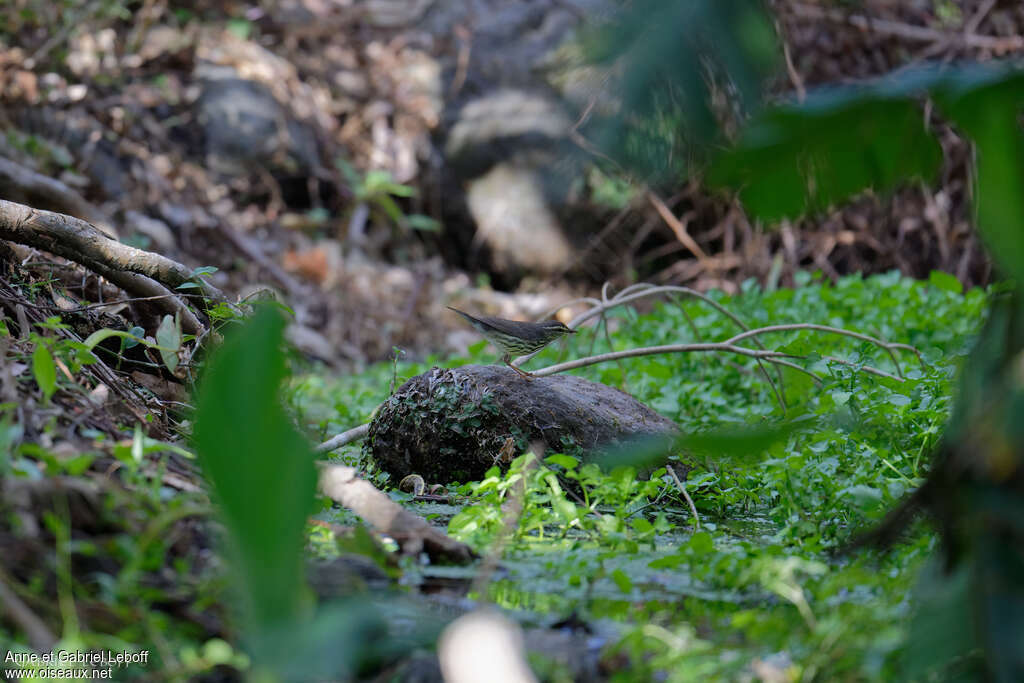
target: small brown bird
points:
(516, 338)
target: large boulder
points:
(455, 424)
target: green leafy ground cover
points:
(766, 581)
(762, 583)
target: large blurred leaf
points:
(726, 443)
(986, 104)
(795, 159)
(741, 442)
(259, 467)
(798, 159)
(941, 623)
(663, 54)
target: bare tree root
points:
(140, 273)
(762, 354)
(643, 289)
(774, 357)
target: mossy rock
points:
(453, 424)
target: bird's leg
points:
(507, 360)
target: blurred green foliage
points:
(260, 469)
(670, 63)
(794, 159)
(799, 159)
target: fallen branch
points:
(345, 438)
(412, 533)
(140, 273)
(78, 241)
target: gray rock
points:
(451, 424)
(243, 124)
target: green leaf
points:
(668, 561)
(44, 370)
(622, 580)
(128, 342)
(862, 495)
(566, 461)
(259, 468)
(840, 398)
(644, 451)
(418, 221)
(138, 444)
(565, 509)
(99, 335)
(77, 464)
(701, 543)
(203, 270)
(240, 28)
(799, 159)
(390, 208)
(642, 526)
(168, 336)
(986, 104)
(945, 281)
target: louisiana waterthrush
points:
(516, 338)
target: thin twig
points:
(608, 338)
(343, 439)
(654, 350)
(786, 364)
(972, 24)
(794, 75)
(676, 225)
(105, 304)
(686, 495)
(832, 330)
(866, 368)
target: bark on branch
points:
(140, 273)
(413, 533)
